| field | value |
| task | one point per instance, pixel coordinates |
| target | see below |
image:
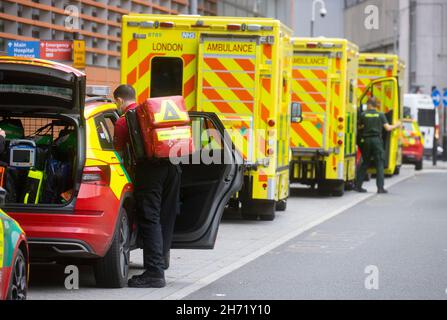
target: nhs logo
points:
(188, 35)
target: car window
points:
(206, 135)
(104, 135)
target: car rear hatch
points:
(34, 85)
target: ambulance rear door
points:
(311, 88)
(227, 77)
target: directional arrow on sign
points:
(444, 99)
(436, 96)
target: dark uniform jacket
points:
(371, 123)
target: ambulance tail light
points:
(234, 27)
(271, 123)
(369, 59)
(99, 175)
(167, 24)
(270, 152)
(312, 45)
(340, 142)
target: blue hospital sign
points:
(27, 49)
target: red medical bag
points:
(165, 127)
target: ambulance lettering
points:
(310, 61)
(231, 47)
(370, 71)
(159, 46)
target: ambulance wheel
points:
(397, 171)
(419, 165)
(339, 190)
(349, 186)
(281, 205)
(112, 270)
(331, 188)
(265, 210)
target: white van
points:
(421, 108)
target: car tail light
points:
(99, 175)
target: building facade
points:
(414, 29)
(97, 22)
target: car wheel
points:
(112, 270)
(19, 278)
(419, 165)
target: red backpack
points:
(165, 127)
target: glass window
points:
(166, 77)
(104, 135)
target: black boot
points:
(147, 280)
(361, 190)
(382, 191)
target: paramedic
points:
(156, 192)
(371, 123)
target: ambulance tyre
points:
(350, 185)
(419, 165)
(112, 270)
(397, 170)
(333, 188)
(338, 189)
(265, 210)
(281, 205)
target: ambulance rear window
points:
(166, 77)
(427, 117)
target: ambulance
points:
(323, 140)
(381, 66)
(237, 68)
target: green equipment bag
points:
(13, 128)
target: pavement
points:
(239, 243)
(387, 247)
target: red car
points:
(67, 186)
(413, 145)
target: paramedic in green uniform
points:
(372, 122)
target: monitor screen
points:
(20, 156)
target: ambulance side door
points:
(209, 178)
(386, 90)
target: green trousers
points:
(372, 149)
